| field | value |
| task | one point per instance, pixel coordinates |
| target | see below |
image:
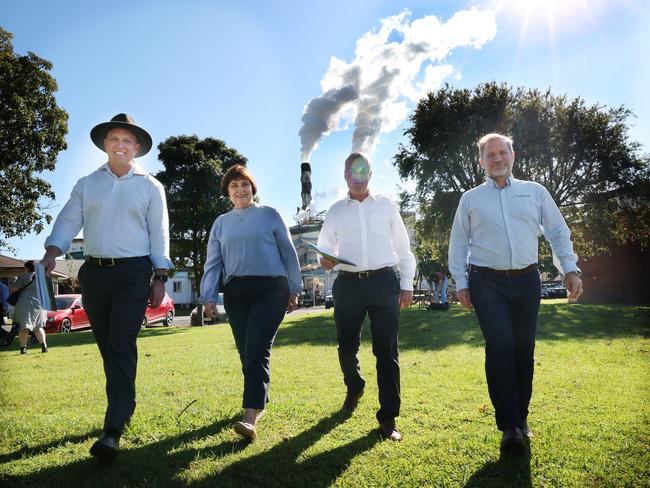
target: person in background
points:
(367, 230)
(493, 253)
(250, 250)
(440, 283)
(28, 312)
(123, 213)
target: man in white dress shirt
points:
(493, 253)
(367, 230)
(123, 213)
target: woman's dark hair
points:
(237, 172)
(30, 265)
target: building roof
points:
(69, 268)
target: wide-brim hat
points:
(122, 121)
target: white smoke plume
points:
(386, 76)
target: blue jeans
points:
(507, 309)
(256, 307)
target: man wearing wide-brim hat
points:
(123, 213)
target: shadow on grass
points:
(163, 463)
(84, 337)
(507, 471)
(281, 466)
(27, 451)
(155, 464)
(434, 330)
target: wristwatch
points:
(161, 277)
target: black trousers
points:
(115, 299)
(256, 306)
(378, 297)
(507, 309)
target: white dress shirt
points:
(371, 234)
(499, 228)
(121, 217)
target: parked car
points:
(68, 316)
(164, 313)
(554, 290)
(329, 301)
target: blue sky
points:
(244, 71)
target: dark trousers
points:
(115, 299)
(507, 309)
(255, 307)
(377, 296)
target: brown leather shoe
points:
(512, 441)
(245, 430)
(389, 430)
(351, 401)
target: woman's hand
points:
(293, 303)
(210, 310)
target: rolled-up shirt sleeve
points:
(70, 220)
(459, 241)
(158, 227)
(288, 255)
(212, 268)
(557, 233)
(402, 247)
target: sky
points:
(287, 81)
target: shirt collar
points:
(369, 197)
(492, 184)
(136, 169)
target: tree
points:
(192, 178)
(32, 132)
(581, 153)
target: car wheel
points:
(66, 326)
(145, 322)
(170, 318)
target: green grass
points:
(590, 409)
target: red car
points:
(70, 314)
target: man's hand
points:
(48, 260)
(465, 299)
(327, 264)
(405, 298)
(210, 310)
(156, 293)
(573, 284)
(293, 303)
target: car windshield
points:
(63, 302)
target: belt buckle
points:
(108, 262)
(364, 274)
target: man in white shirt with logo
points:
(123, 213)
(493, 253)
(367, 230)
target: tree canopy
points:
(581, 153)
(192, 178)
(32, 133)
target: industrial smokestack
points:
(305, 180)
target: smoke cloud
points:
(393, 68)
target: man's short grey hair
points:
(353, 157)
(490, 137)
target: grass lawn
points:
(590, 410)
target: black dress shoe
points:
(512, 441)
(351, 401)
(105, 448)
(526, 431)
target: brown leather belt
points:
(505, 272)
(108, 262)
(366, 274)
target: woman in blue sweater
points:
(251, 253)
